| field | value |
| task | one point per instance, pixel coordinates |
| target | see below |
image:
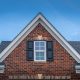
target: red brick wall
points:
(62, 65)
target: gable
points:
(18, 58)
(40, 19)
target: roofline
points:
(52, 30)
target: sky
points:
(63, 14)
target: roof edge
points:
(52, 31)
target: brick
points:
(62, 65)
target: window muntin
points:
(39, 50)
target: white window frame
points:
(40, 50)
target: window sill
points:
(40, 61)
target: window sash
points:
(40, 50)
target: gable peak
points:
(40, 15)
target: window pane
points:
(36, 48)
(39, 58)
(37, 54)
(42, 58)
(42, 48)
(41, 43)
(36, 43)
(41, 54)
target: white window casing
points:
(77, 68)
(44, 51)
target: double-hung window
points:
(39, 50)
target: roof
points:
(74, 44)
(3, 45)
(50, 28)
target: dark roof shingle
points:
(75, 45)
(3, 45)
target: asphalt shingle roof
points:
(75, 45)
(3, 45)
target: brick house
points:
(39, 51)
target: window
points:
(39, 50)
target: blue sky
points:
(63, 14)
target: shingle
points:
(3, 45)
(75, 45)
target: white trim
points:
(77, 71)
(2, 68)
(40, 50)
(49, 28)
(2, 71)
(77, 67)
